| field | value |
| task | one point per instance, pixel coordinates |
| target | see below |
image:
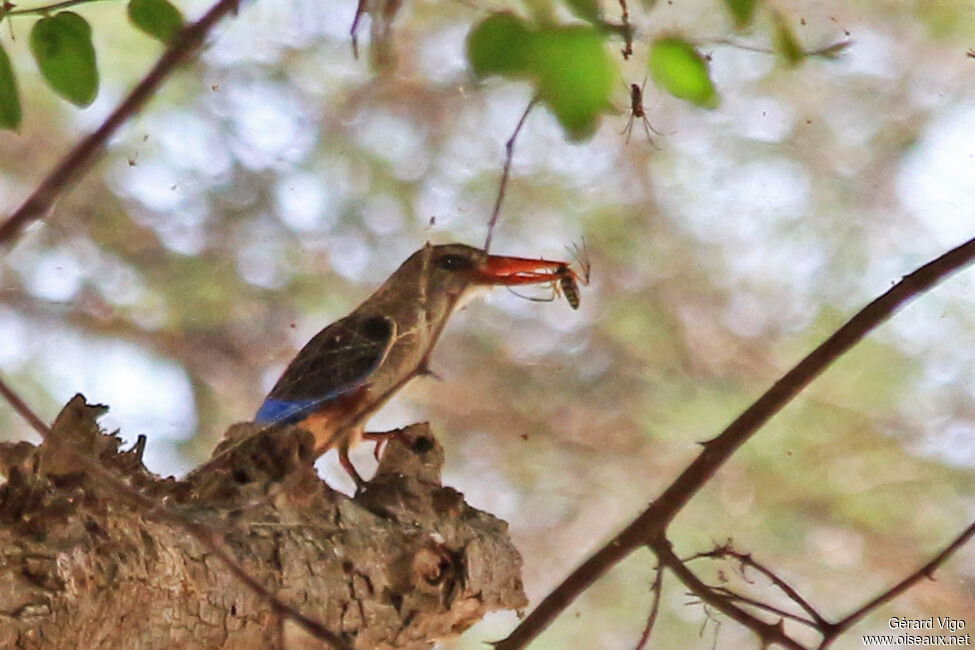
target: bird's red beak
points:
(519, 270)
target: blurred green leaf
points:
(499, 45)
(785, 42)
(588, 10)
(680, 70)
(158, 18)
(9, 99)
(569, 65)
(575, 76)
(62, 46)
(742, 11)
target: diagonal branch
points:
(509, 153)
(656, 588)
(652, 522)
(746, 559)
(769, 633)
(39, 203)
(735, 597)
(926, 571)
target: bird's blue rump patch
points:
(276, 410)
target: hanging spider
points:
(638, 112)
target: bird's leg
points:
(380, 437)
(349, 467)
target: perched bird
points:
(356, 364)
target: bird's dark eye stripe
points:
(454, 262)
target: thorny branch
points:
(650, 526)
(152, 509)
(926, 571)
(735, 597)
(769, 633)
(509, 148)
(39, 203)
(655, 588)
(746, 560)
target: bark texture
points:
(404, 563)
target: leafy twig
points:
(37, 205)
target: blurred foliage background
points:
(275, 182)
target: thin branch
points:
(926, 571)
(39, 203)
(765, 607)
(509, 148)
(769, 633)
(746, 559)
(627, 50)
(653, 521)
(656, 588)
(205, 535)
(46, 9)
(830, 51)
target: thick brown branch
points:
(74, 163)
(79, 416)
(402, 564)
(653, 521)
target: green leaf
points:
(575, 76)
(569, 66)
(499, 45)
(9, 99)
(785, 42)
(62, 46)
(680, 70)
(158, 18)
(588, 10)
(742, 11)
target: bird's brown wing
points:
(338, 360)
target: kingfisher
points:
(350, 369)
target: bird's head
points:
(449, 274)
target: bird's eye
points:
(454, 262)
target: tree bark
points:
(402, 564)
